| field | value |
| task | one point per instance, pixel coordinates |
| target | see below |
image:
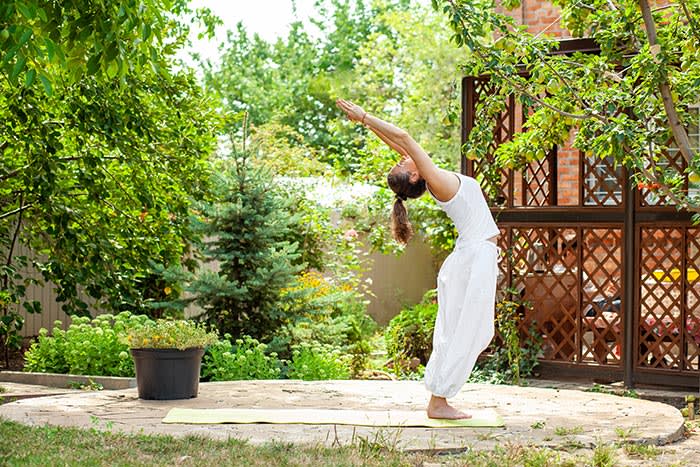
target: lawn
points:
(22, 445)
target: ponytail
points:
(401, 228)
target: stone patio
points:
(534, 416)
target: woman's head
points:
(405, 181)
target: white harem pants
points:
(465, 320)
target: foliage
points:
(634, 102)
(247, 359)
(103, 144)
(247, 231)
(406, 72)
(289, 84)
(517, 353)
(330, 315)
(409, 334)
(312, 362)
(507, 323)
(170, 334)
(88, 347)
(321, 244)
(81, 38)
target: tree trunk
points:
(677, 128)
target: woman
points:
(467, 279)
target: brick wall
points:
(542, 17)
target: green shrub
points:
(246, 360)
(47, 354)
(409, 335)
(326, 314)
(89, 347)
(248, 233)
(318, 362)
(170, 334)
(513, 356)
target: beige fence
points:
(44, 294)
(396, 281)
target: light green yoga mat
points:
(377, 418)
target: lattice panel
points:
(692, 323)
(537, 181)
(545, 272)
(649, 197)
(504, 264)
(661, 304)
(503, 131)
(601, 296)
(496, 195)
(602, 182)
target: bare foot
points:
(439, 408)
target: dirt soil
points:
(16, 359)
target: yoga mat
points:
(377, 418)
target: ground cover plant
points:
(95, 347)
(100, 347)
(240, 360)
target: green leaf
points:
(27, 12)
(29, 78)
(46, 83)
(25, 37)
(42, 14)
(50, 48)
(93, 64)
(17, 68)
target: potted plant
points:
(167, 358)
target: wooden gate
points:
(610, 271)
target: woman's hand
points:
(353, 111)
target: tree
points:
(394, 57)
(103, 146)
(635, 101)
(293, 83)
(246, 233)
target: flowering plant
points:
(169, 334)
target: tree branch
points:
(16, 211)
(677, 128)
(524, 91)
(693, 24)
(11, 249)
(12, 173)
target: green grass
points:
(22, 445)
(644, 451)
(604, 456)
(563, 431)
(3, 389)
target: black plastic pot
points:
(166, 374)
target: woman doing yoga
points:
(466, 282)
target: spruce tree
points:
(246, 234)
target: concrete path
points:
(535, 416)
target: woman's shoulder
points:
(466, 181)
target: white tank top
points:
(469, 212)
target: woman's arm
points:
(443, 184)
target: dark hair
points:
(400, 183)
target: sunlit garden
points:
(157, 197)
